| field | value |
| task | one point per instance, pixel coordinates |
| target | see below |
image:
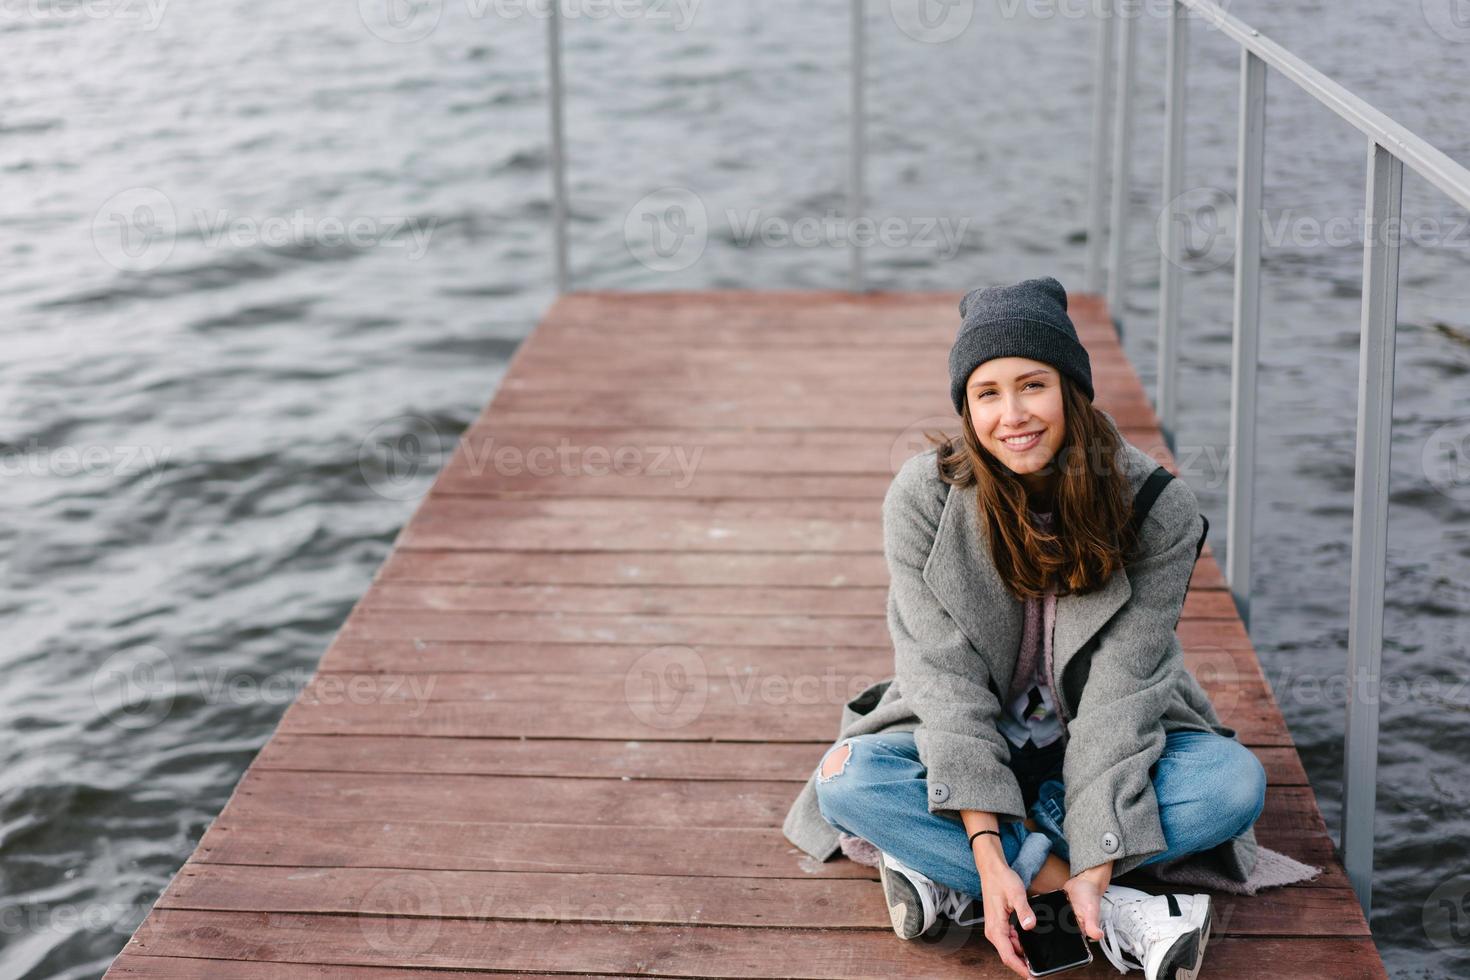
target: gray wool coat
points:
(956, 635)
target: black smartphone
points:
(1055, 943)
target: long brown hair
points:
(1091, 531)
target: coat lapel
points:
(965, 581)
(1079, 617)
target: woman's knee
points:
(849, 769)
(833, 773)
(1213, 792)
(1245, 791)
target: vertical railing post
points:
(1370, 515)
(1248, 182)
(857, 151)
(1170, 266)
(558, 149)
(1122, 149)
(1102, 76)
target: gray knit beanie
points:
(1028, 319)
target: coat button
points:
(939, 792)
(1110, 842)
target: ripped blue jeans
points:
(1209, 789)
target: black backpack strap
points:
(1143, 501)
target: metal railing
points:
(1389, 147)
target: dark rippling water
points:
(189, 418)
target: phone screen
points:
(1056, 942)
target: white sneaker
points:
(1162, 935)
(915, 901)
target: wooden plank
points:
(814, 410)
(678, 951)
(582, 896)
(647, 476)
(853, 451)
(517, 627)
(797, 373)
(370, 709)
(198, 968)
(653, 682)
(733, 600)
(850, 666)
(662, 568)
(676, 803)
(582, 757)
(492, 846)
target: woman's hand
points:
(1084, 891)
(1001, 891)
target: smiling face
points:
(1016, 396)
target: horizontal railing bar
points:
(1430, 163)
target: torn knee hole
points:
(836, 761)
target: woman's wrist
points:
(1099, 874)
(984, 832)
(989, 857)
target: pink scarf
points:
(1036, 634)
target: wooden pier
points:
(559, 732)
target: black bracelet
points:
(979, 832)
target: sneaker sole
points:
(1187, 955)
(905, 909)
(1180, 962)
(1204, 938)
